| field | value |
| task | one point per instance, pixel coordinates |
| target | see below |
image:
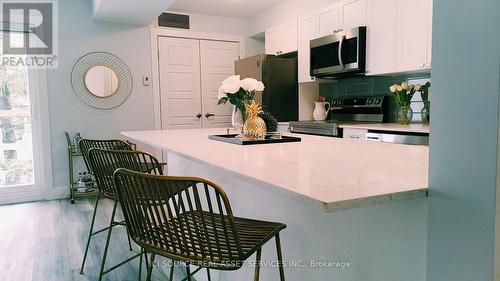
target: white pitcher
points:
(321, 110)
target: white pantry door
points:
(180, 91)
(217, 63)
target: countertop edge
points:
(375, 200)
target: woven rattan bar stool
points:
(103, 163)
(85, 146)
(195, 225)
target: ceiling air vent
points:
(173, 20)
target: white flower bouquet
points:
(404, 92)
(239, 92)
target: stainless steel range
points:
(345, 110)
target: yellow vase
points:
(254, 128)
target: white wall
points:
(78, 35)
(227, 25)
(463, 143)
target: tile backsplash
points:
(375, 86)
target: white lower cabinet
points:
(354, 134)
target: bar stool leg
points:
(140, 264)
(111, 224)
(280, 258)
(128, 237)
(171, 278)
(90, 232)
(257, 265)
(208, 275)
(188, 272)
(150, 269)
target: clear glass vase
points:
(426, 112)
(237, 119)
(405, 114)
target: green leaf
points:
(222, 101)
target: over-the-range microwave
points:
(341, 54)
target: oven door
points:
(339, 53)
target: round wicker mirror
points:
(101, 80)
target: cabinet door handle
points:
(198, 115)
(208, 115)
(422, 65)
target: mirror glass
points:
(101, 81)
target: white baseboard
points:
(21, 197)
(54, 193)
(57, 192)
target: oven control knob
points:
(369, 101)
(377, 101)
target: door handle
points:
(198, 115)
(340, 52)
(208, 115)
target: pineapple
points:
(254, 127)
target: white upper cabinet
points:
(289, 37)
(399, 36)
(281, 39)
(381, 37)
(341, 15)
(328, 20)
(308, 27)
(412, 34)
(272, 41)
(352, 13)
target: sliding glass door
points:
(20, 165)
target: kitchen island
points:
(342, 201)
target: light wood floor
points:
(45, 241)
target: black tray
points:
(231, 138)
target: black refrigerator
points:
(280, 77)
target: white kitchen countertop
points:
(335, 173)
(395, 127)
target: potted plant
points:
(426, 110)
(239, 93)
(404, 93)
(270, 120)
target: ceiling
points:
(128, 11)
(227, 8)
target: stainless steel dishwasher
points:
(398, 137)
